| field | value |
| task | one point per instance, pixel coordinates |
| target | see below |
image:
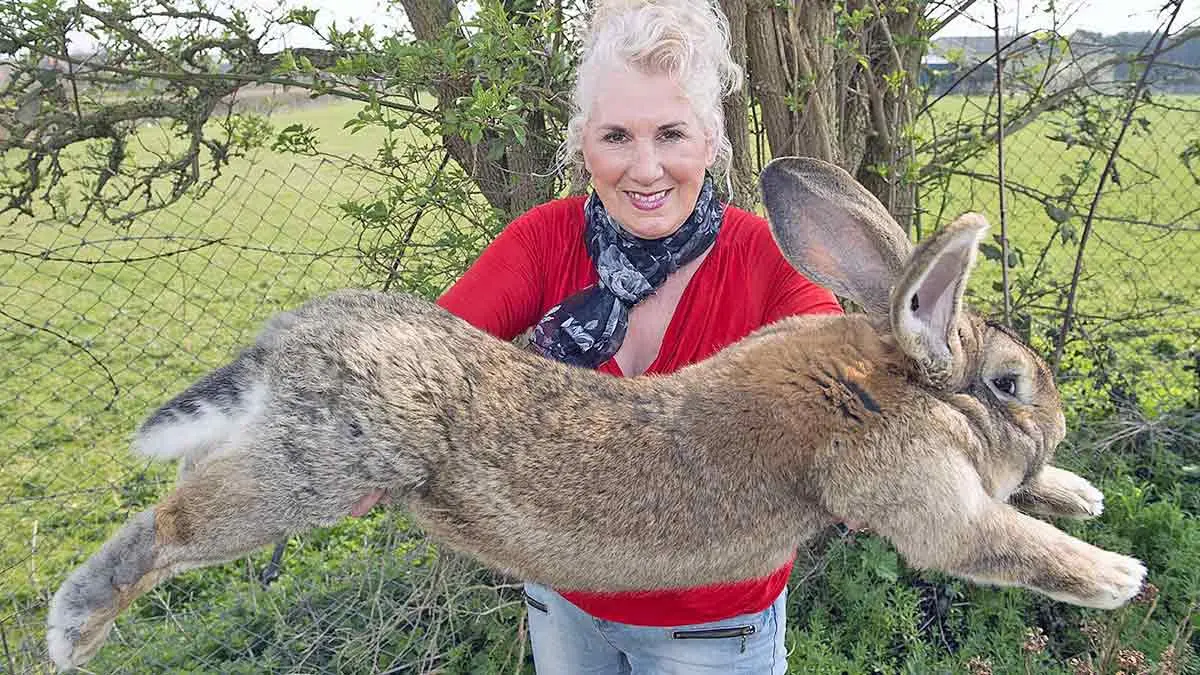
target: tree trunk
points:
(428, 17)
(887, 146)
(791, 59)
(508, 184)
(737, 114)
(820, 98)
(770, 79)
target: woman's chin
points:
(654, 224)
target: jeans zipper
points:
(742, 632)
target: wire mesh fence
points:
(1100, 244)
(102, 323)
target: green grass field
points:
(67, 479)
(66, 475)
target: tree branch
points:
(955, 12)
(1134, 99)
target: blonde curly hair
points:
(687, 40)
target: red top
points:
(540, 259)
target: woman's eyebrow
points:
(662, 127)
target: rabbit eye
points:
(1006, 385)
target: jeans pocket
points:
(535, 603)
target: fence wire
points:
(101, 324)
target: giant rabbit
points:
(915, 418)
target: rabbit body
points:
(925, 423)
(548, 472)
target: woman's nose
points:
(647, 164)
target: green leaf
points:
(1057, 213)
(287, 62)
(887, 566)
(302, 16)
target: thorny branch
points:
(1006, 290)
(112, 381)
(955, 10)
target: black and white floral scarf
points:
(587, 328)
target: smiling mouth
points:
(648, 201)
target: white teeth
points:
(647, 198)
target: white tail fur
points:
(174, 435)
(207, 414)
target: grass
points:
(67, 479)
(66, 475)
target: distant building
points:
(959, 65)
(966, 65)
(936, 72)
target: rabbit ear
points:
(928, 298)
(833, 230)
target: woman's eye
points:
(672, 135)
(1006, 385)
(614, 137)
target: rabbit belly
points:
(589, 556)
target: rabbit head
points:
(837, 233)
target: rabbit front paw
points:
(1090, 500)
(1057, 492)
(1118, 578)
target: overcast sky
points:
(1105, 16)
(1102, 16)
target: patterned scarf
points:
(587, 328)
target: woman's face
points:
(646, 151)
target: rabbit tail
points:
(207, 414)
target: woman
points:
(648, 274)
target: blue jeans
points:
(568, 641)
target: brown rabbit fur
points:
(915, 419)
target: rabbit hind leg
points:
(223, 511)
